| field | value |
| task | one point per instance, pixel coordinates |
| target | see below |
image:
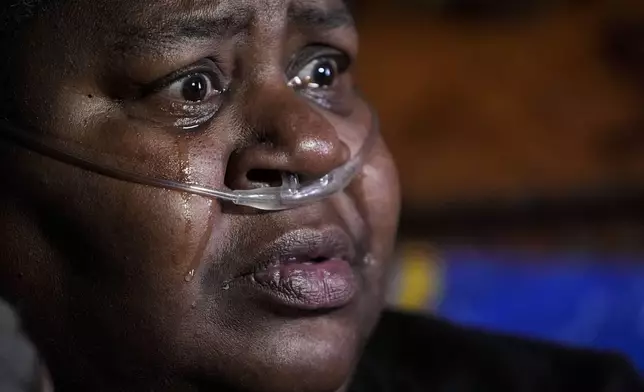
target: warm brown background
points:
(482, 108)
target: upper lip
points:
(302, 245)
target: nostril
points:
(264, 177)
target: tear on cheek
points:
(192, 236)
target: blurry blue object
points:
(580, 299)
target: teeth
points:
(295, 260)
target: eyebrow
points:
(310, 17)
(163, 33)
(200, 27)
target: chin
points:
(309, 367)
(311, 353)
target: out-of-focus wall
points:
(520, 142)
(545, 103)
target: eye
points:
(321, 74)
(318, 73)
(193, 88)
(186, 98)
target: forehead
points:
(146, 11)
(134, 24)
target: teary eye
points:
(192, 88)
(319, 73)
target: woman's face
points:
(124, 283)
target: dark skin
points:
(97, 266)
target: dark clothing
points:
(410, 353)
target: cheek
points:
(124, 242)
(142, 229)
(381, 195)
(103, 258)
(379, 205)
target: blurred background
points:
(518, 129)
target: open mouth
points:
(307, 269)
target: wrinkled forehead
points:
(231, 14)
(262, 8)
(135, 24)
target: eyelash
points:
(313, 52)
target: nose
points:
(287, 135)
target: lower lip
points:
(309, 286)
